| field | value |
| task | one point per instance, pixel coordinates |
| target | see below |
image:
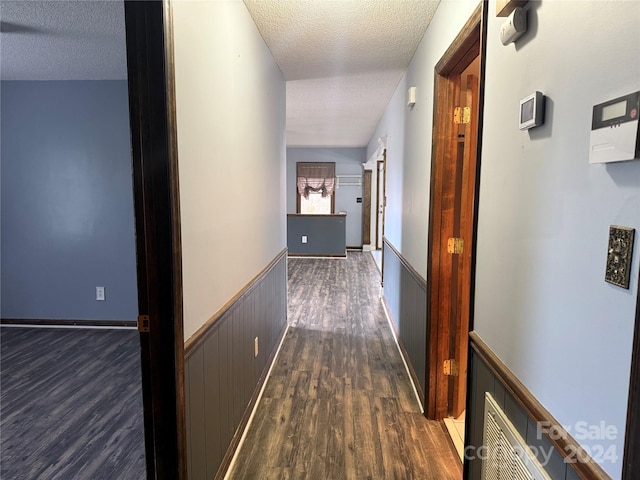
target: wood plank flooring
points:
(71, 404)
(339, 403)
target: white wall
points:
(231, 145)
(541, 301)
(348, 162)
(408, 134)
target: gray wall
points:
(540, 300)
(483, 380)
(406, 297)
(325, 234)
(542, 303)
(67, 201)
(222, 374)
(348, 162)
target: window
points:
(315, 186)
(316, 204)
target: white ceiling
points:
(342, 59)
(62, 40)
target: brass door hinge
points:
(455, 246)
(143, 323)
(451, 367)
(462, 115)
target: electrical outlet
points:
(304, 239)
(100, 293)
(255, 347)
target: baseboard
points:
(405, 356)
(67, 323)
(315, 255)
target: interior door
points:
(451, 231)
(463, 228)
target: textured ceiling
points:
(62, 40)
(342, 61)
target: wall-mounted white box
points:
(100, 293)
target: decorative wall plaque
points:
(619, 255)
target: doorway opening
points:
(381, 203)
(457, 125)
(381, 199)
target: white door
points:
(381, 204)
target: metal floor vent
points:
(507, 456)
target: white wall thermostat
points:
(514, 27)
(615, 131)
(532, 111)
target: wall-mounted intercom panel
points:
(615, 133)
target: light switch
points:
(304, 239)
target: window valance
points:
(316, 177)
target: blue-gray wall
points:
(325, 235)
(67, 201)
(348, 162)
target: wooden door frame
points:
(158, 248)
(469, 43)
(367, 175)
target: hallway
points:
(339, 403)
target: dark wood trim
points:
(505, 7)
(414, 273)
(316, 214)
(484, 20)
(464, 48)
(315, 255)
(631, 462)
(235, 441)
(155, 185)
(195, 340)
(476, 201)
(77, 323)
(366, 207)
(566, 445)
(178, 321)
(405, 354)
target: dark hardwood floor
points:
(71, 404)
(339, 403)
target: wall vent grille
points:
(506, 456)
